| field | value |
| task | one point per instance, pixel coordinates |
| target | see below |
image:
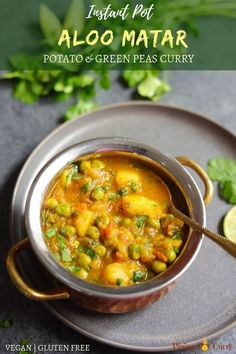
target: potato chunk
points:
(83, 221)
(124, 177)
(115, 271)
(139, 205)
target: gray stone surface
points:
(22, 127)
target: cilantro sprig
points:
(223, 170)
(24, 342)
(71, 81)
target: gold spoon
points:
(228, 245)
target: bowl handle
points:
(209, 189)
(27, 290)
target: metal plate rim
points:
(132, 347)
(34, 152)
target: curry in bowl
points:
(106, 220)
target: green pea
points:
(111, 242)
(93, 232)
(158, 267)
(102, 221)
(134, 252)
(52, 203)
(154, 223)
(171, 255)
(98, 193)
(133, 187)
(86, 241)
(68, 230)
(119, 281)
(100, 250)
(64, 209)
(82, 274)
(84, 260)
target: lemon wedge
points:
(229, 225)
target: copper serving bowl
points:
(106, 298)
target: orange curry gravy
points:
(106, 220)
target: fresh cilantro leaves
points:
(134, 77)
(147, 83)
(140, 221)
(50, 24)
(228, 191)
(90, 253)
(82, 106)
(65, 255)
(61, 85)
(6, 322)
(75, 17)
(223, 170)
(65, 81)
(138, 275)
(23, 346)
(51, 232)
(123, 191)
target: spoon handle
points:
(228, 245)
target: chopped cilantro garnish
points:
(133, 187)
(50, 232)
(74, 269)
(77, 176)
(177, 250)
(140, 221)
(61, 241)
(176, 235)
(90, 253)
(65, 255)
(23, 343)
(113, 196)
(123, 191)
(86, 187)
(6, 322)
(138, 275)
